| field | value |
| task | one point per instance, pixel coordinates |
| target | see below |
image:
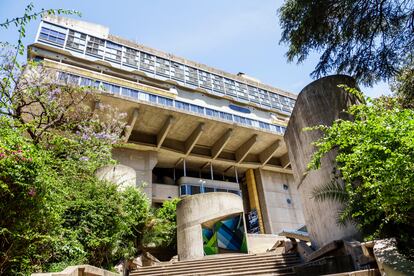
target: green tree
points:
(376, 163)
(370, 40)
(53, 137)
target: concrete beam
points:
(244, 149)
(193, 138)
(130, 126)
(265, 155)
(205, 165)
(220, 144)
(162, 134)
(178, 162)
(284, 161)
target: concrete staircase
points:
(240, 264)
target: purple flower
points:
(32, 192)
(84, 158)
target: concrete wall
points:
(121, 175)
(321, 102)
(194, 210)
(162, 192)
(142, 162)
(277, 213)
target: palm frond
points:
(332, 190)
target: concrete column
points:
(321, 102)
(143, 162)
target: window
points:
(208, 189)
(218, 85)
(253, 94)
(190, 75)
(264, 98)
(76, 41)
(152, 98)
(212, 112)
(285, 187)
(54, 36)
(147, 62)
(230, 87)
(162, 67)
(113, 51)
(177, 71)
(131, 57)
(241, 90)
(194, 189)
(264, 125)
(226, 116)
(196, 109)
(111, 88)
(165, 101)
(289, 201)
(182, 105)
(204, 79)
(95, 46)
(183, 190)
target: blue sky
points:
(234, 36)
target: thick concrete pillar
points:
(143, 162)
(321, 102)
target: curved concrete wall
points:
(194, 210)
(321, 102)
(121, 175)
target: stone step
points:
(272, 264)
(183, 270)
(178, 266)
(242, 270)
(244, 258)
(240, 256)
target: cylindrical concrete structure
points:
(193, 211)
(121, 175)
(319, 103)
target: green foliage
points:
(28, 219)
(403, 86)
(167, 217)
(376, 163)
(370, 40)
(55, 212)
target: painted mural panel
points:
(226, 235)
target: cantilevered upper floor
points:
(176, 106)
(93, 42)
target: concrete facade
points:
(280, 201)
(319, 103)
(181, 117)
(121, 175)
(192, 211)
(142, 162)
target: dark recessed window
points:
(285, 187)
(289, 201)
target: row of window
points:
(143, 96)
(187, 189)
(181, 73)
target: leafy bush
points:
(376, 162)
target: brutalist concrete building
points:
(192, 129)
